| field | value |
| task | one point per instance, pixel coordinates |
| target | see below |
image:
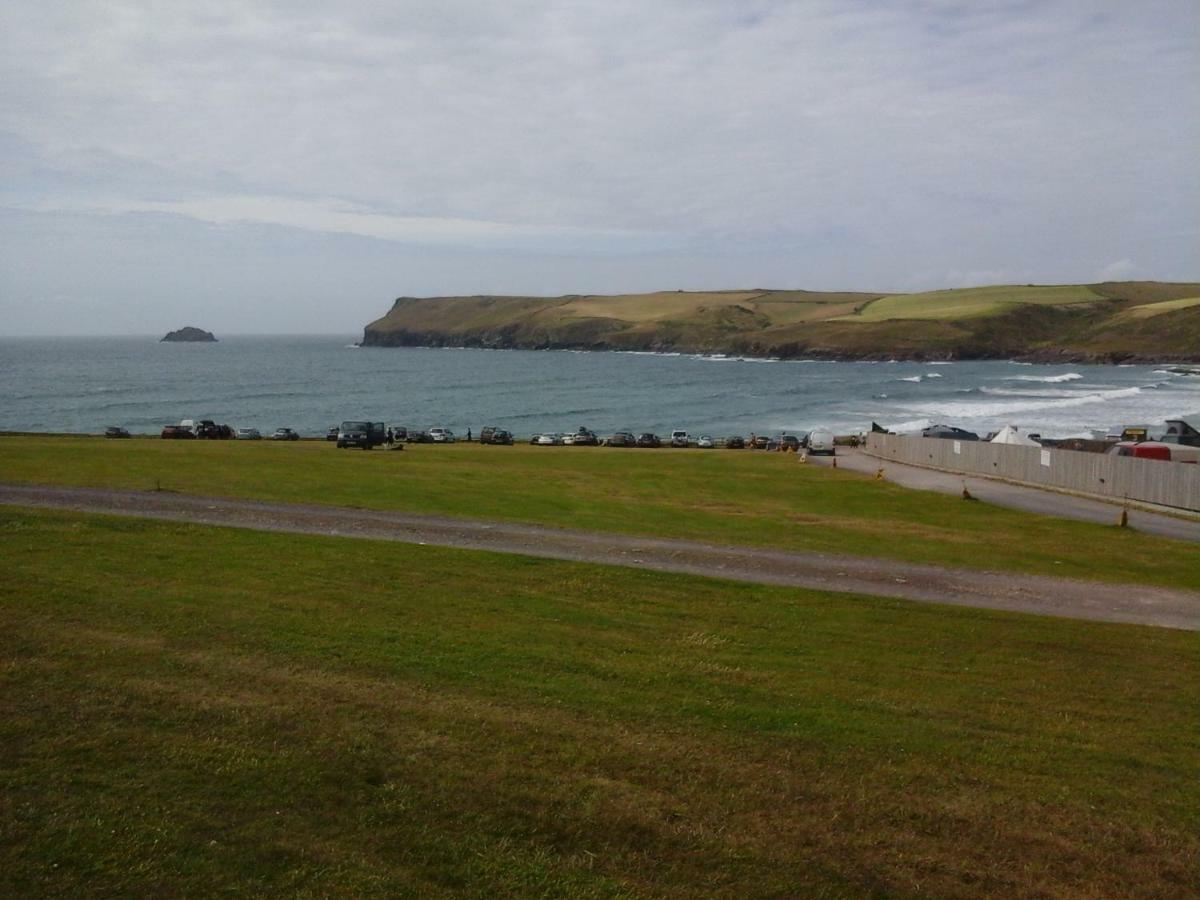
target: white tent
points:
(1010, 434)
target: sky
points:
(292, 167)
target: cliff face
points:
(1061, 323)
(189, 334)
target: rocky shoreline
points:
(1041, 356)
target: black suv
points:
(646, 439)
(735, 442)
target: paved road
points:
(880, 577)
(1050, 503)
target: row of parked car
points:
(206, 429)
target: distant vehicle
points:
(647, 439)
(1180, 432)
(114, 431)
(248, 434)
(566, 439)
(493, 435)
(789, 442)
(417, 436)
(207, 429)
(949, 432)
(399, 433)
(1157, 450)
(679, 438)
(1135, 433)
(735, 442)
(285, 434)
(585, 437)
(332, 433)
(760, 442)
(705, 442)
(546, 439)
(363, 435)
(621, 439)
(178, 432)
(442, 435)
(820, 440)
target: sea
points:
(310, 383)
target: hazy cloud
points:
(827, 143)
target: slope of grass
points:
(1146, 310)
(197, 711)
(739, 497)
(972, 302)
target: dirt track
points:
(1023, 593)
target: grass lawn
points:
(738, 497)
(189, 710)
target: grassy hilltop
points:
(1113, 321)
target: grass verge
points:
(737, 497)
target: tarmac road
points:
(1015, 496)
(1037, 594)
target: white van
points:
(820, 440)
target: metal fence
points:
(1119, 477)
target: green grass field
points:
(196, 711)
(738, 497)
(1147, 310)
(967, 303)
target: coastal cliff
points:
(189, 335)
(1108, 322)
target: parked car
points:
(585, 438)
(442, 435)
(760, 442)
(705, 442)
(820, 440)
(493, 435)
(566, 440)
(679, 438)
(417, 436)
(115, 431)
(1157, 450)
(332, 433)
(178, 432)
(210, 430)
(735, 442)
(789, 442)
(949, 432)
(1180, 432)
(621, 439)
(399, 433)
(647, 439)
(546, 439)
(363, 435)
(285, 434)
(248, 434)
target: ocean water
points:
(310, 383)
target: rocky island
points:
(189, 335)
(1110, 322)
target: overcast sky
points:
(292, 167)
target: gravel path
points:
(888, 578)
(1016, 496)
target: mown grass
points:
(1147, 310)
(189, 710)
(971, 302)
(737, 497)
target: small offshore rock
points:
(189, 334)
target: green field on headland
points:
(1107, 322)
(736, 497)
(190, 710)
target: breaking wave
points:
(1047, 379)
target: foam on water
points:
(1047, 379)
